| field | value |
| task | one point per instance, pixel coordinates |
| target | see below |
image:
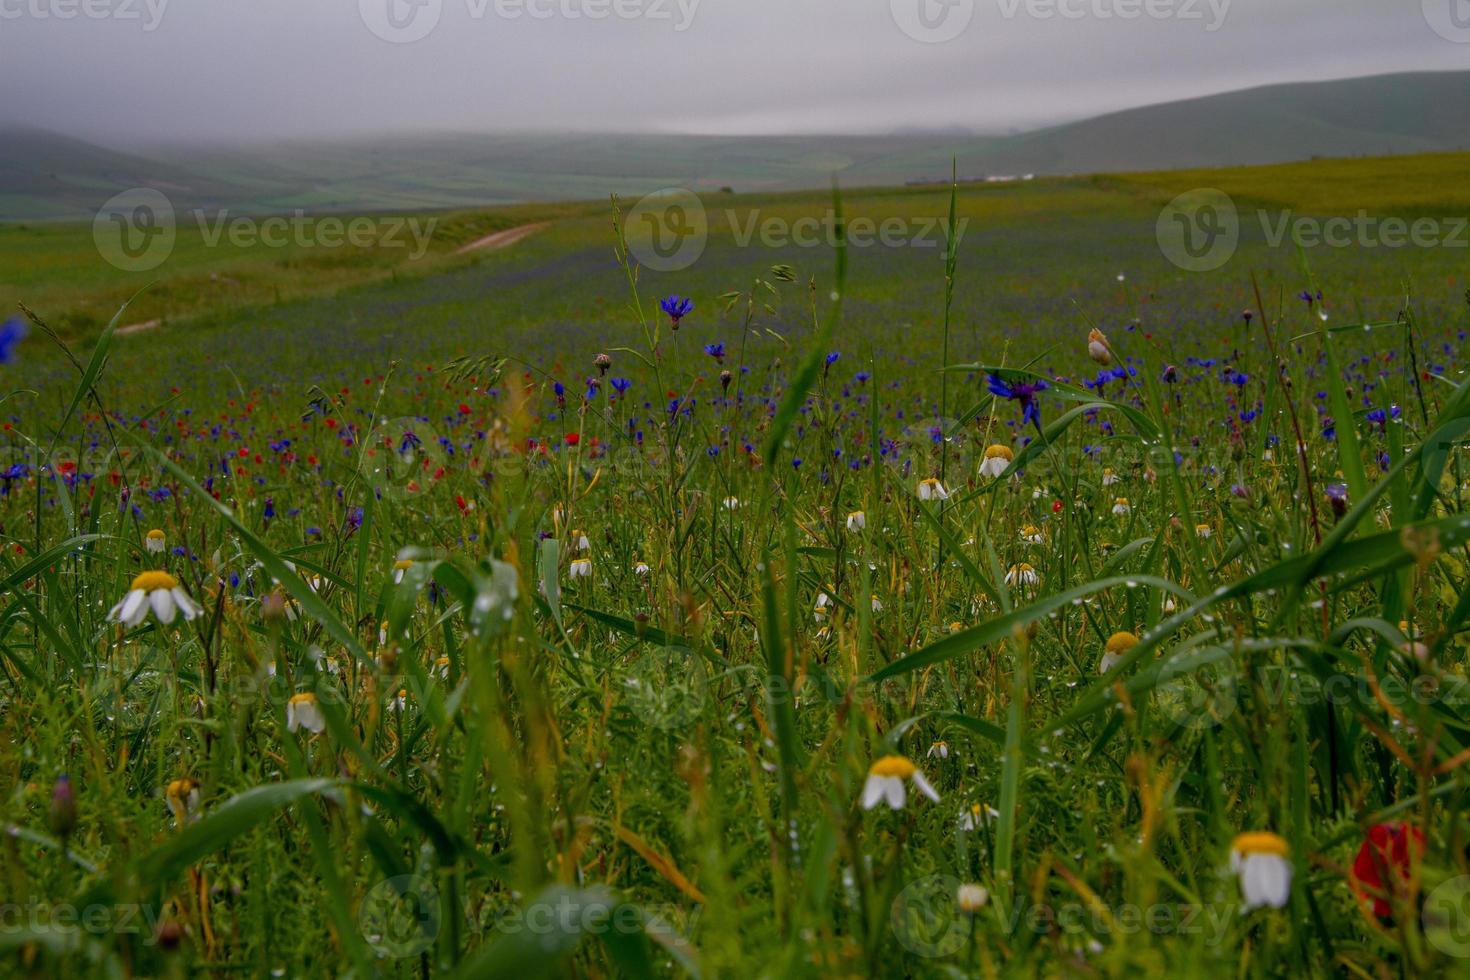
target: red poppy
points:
(573, 438)
(1393, 848)
(1056, 506)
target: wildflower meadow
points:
(1021, 604)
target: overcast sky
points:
(131, 72)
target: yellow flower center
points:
(892, 766)
(1122, 642)
(1030, 531)
(1121, 501)
(999, 452)
(153, 581)
(180, 788)
(402, 564)
(1260, 842)
(1022, 568)
(305, 697)
(155, 535)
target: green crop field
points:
(1022, 578)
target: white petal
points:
(187, 606)
(163, 605)
(872, 792)
(133, 607)
(923, 786)
(894, 792)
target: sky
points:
(134, 73)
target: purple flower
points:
(1023, 393)
(677, 307)
(12, 331)
(717, 351)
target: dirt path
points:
(490, 243)
(502, 239)
(139, 327)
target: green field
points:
(500, 623)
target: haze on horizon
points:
(130, 73)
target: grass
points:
(382, 498)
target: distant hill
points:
(44, 175)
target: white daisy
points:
(302, 712)
(997, 460)
(932, 489)
(158, 591)
(154, 542)
(1260, 859)
(885, 783)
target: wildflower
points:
(976, 816)
(717, 351)
(732, 503)
(971, 898)
(725, 378)
(12, 332)
(939, 750)
(1031, 534)
(677, 308)
(1117, 646)
(1022, 574)
(823, 602)
(1121, 507)
(182, 797)
(932, 489)
(640, 568)
(581, 568)
(1390, 851)
(603, 362)
(885, 783)
(997, 460)
(399, 567)
(1023, 393)
(1337, 498)
(1097, 347)
(1203, 531)
(302, 712)
(159, 591)
(857, 521)
(1109, 477)
(399, 703)
(1260, 859)
(580, 542)
(63, 815)
(154, 542)
(441, 667)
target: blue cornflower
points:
(677, 307)
(1023, 393)
(717, 351)
(620, 385)
(12, 331)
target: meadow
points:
(1001, 600)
